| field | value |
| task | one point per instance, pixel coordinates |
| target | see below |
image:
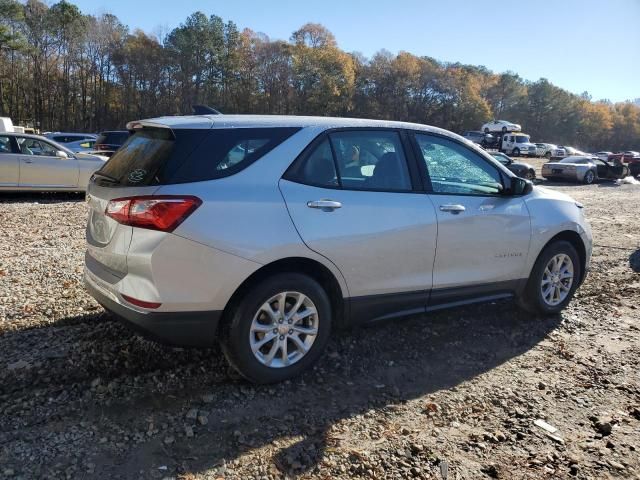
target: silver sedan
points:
(32, 162)
(583, 169)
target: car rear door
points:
(483, 236)
(9, 163)
(353, 198)
(40, 166)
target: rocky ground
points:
(455, 395)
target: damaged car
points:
(584, 169)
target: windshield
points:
(522, 139)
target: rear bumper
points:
(182, 329)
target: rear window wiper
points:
(105, 177)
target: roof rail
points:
(205, 110)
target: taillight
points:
(155, 212)
(141, 303)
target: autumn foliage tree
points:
(63, 70)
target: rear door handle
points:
(455, 209)
(28, 161)
(325, 205)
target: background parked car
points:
(523, 170)
(630, 158)
(502, 126)
(584, 169)
(33, 162)
(111, 140)
(86, 145)
(65, 137)
(481, 138)
(603, 155)
(545, 149)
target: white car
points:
(545, 149)
(500, 126)
(603, 155)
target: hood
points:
(543, 192)
(89, 156)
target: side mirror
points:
(518, 186)
(62, 154)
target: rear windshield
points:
(159, 156)
(112, 138)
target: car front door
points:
(354, 199)
(483, 234)
(9, 164)
(41, 167)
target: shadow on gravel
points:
(41, 197)
(634, 261)
(141, 383)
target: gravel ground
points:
(453, 395)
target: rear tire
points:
(547, 155)
(589, 177)
(258, 319)
(516, 152)
(558, 283)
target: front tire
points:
(554, 279)
(278, 329)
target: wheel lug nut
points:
(281, 337)
(280, 321)
(290, 331)
(275, 330)
(289, 321)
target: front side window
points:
(456, 170)
(31, 146)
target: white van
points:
(518, 144)
(6, 125)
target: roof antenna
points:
(205, 110)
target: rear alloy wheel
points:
(516, 152)
(589, 177)
(278, 329)
(553, 280)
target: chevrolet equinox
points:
(267, 232)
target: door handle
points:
(324, 205)
(28, 161)
(455, 209)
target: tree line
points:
(63, 70)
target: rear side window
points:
(5, 144)
(160, 156)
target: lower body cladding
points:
(199, 328)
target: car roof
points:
(69, 133)
(257, 121)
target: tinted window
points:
(317, 168)
(157, 156)
(454, 169)
(5, 144)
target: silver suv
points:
(267, 232)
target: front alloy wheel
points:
(283, 329)
(557, 280)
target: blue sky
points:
(579, 45)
